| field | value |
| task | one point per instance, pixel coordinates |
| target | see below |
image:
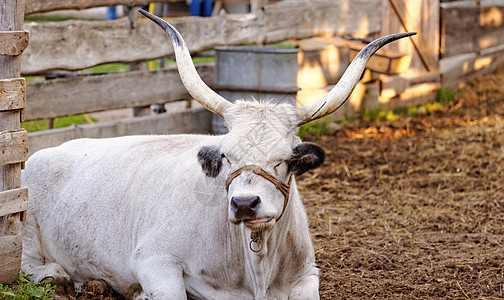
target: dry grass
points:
(414, 208)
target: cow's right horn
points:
(192, 81)
(338, 95)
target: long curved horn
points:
(192, 81)
(338, 95)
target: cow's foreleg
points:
(306, 288)
(35, 260)
(161, 278)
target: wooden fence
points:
(76, 44)
(456, 41)
(13, 140)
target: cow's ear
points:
(210, 159)
(306, 156)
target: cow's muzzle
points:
(247, 207)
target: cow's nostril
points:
(255, 202)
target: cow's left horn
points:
(338, 95)
(192, 81)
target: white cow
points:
(211, 217)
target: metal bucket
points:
(261, 73)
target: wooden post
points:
(137, 66)
(256, 6)
(13, 141)
(143, 110)
(421, 16)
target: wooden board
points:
(73, 44)
(396, 85)
(10, 257)
(195, 120)
(13, 201)
(387, 63)
(12, 94)
(13, 42)
(13, 146)
(37, 6)
(383, 61)
(77, 44)
(320, 63)
(302, 19)
(470, 28)
(469, 66)
(65, 97)
(421, 16)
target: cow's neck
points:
(279, 252)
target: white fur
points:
(139, 209)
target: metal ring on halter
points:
(257, 242)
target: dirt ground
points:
(414, 208)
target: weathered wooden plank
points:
(386, 62)
(468, 29)
(11, 19)
(411, 20)
(471, 3)
(383, 61)
(421, 16)
(12, 94)
(458, 3)
(392, 86)
(194, 120)
(37, 6)
(77, 44)
(10, 254)
(73, 45)
(13, 42)
(320, 62)
(303, 19)
(65, 97)
(13, 146)
(489, 3)
(13, 201)
(455, 70)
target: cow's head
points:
(261, 152)
(257, 158)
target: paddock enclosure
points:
(384, 223)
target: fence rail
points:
(78, 44)
(192, 120)
(71, 96)
(37, 6)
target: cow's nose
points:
(245, 207)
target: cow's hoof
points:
(135, 292)
(64, 287)
(96, 289)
